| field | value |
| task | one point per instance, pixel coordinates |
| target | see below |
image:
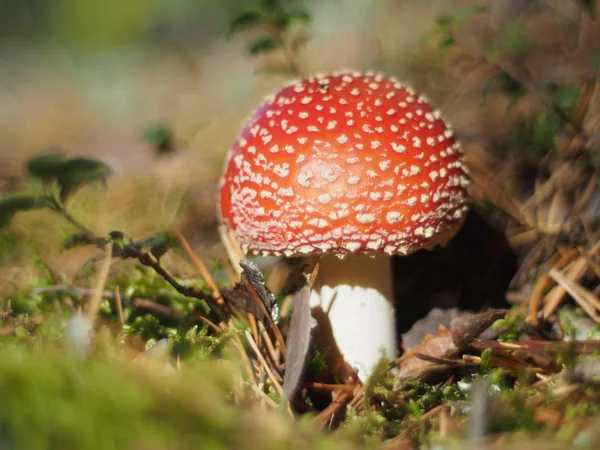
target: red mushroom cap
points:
(343, 163)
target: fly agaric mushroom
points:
(347, 164)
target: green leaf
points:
(160, 245)
(281, 20)
(298, 16)
(12, 204)
(536, 134)
(161, 137)
(508, 84)
(447, 42)
(566, 97)
(20, 332)
(516, 39)
(247, 19)
(270, 4)
(45, 166)
(81, 239)
(70, 173)
(78, 171)
(588, 5)
(263, 45)
(445, 22)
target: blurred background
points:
(93, 78)
(158, 90)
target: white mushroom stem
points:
(356, 294)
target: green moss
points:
(369, 425)
(53, 400)
(510, 327)
(318, 363)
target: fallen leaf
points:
(298, 341)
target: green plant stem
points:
(147, 260)
(142, 257)
(58, 208)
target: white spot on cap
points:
(324, 198)
(375, 244)
(393, 217)
(304, 177)
(329, 175)
(398, 148)
(319, 223)
(342, 139)
(305, 249)
(352, 246)
(286, 192)
(282, 170)
(365, 218)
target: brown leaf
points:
(467, 327)
(242, 299)
(438, 345)
(428, 324)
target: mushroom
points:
(348, 165)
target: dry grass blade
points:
(234, 251)
(339, 402)
(267, 317)
(252, 320)
(543, 283)
(273, 353)
(119, 307)
(582, 296)
(245, 359)
(96, 298)
(263, 361)
(204, 273)
(558, 293)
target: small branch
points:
(143, 258)
(72, 289)
(147, 260)
(157, 308)
(58, 208)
